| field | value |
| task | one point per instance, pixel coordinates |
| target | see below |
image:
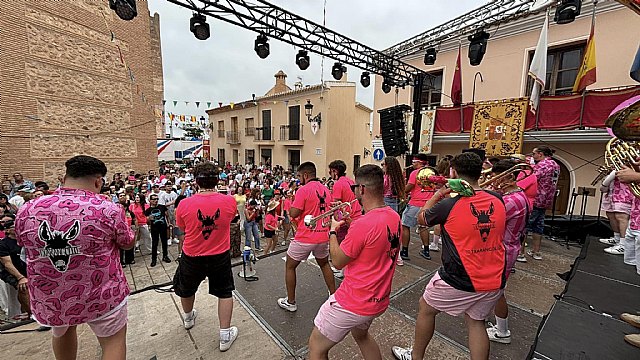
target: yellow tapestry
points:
(498, 127)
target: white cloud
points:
(225, 68)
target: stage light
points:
(302, 60)
(199, 27)
(478, 47)
(261, 46)
(430, 56)
(338, 70)
(386, 85)
(365, 79)
(125, 9)
(567, 11)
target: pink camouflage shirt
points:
(71, 239)
(547, 171)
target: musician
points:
(528, 182)
(472, 275)
(409, 216)
(632, 239)
(616, 203)
(368, 255)
(517, 211)
(547, 172)
(313, 198)
(206, 219)
(342, 193)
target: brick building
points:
(66, 88)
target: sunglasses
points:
(153, 199)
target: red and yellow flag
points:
(587, 71)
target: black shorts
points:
(269, 233)
(192, 270)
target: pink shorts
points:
(103, 327)
(299, 251)
(335, 322)
(615, 206)
(443, 297)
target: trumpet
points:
(619, 153)
(342, 210)
(429, 180)
(487, 179)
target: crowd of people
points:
(360, 231)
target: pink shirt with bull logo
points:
(71, 240)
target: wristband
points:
(333, 232)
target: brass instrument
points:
(429, 180)
(619, 153)
(487, 179)
(343, 209)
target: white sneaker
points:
(535, 256)
(176, 241)
(190, 321)
(339, 274)
(494, 336)
(284, 303)
(609, 241)
(521, 259)
(401, 353)
(225, 344)
(169, 242)
(284, 243)
(433, 247)
(615, 250)
(400, 262)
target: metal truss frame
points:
(277, 23)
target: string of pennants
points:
(232, 105)
(177, 120)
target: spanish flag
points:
(587, 71)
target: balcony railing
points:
(250, 131)
(264, 134)
(221, 133)
(233, 137)
(291, 132)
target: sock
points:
(187, 315)
(435, 240)
(224, 334)
(405, 250)
(616, 237)
(502, 325)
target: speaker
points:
(392, 129)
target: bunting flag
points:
(164, 102)
(456, 84)
(198, 104)
(171, 116)
(186, 103)
(175, 103)
(208, 104)
(587, 72)
(232, 105)
(220, 104)
(286, 103)
(193, 119)
(538, 68)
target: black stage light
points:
(567, 11)
(261, 46)
(365, 79)
(199, 27)
(430, 56)
(302, 60)
(386, 85)
(478, 47)
(125, 9)
(338, 70)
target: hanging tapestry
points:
(498, 127)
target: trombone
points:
(487, 179)
(339, 211)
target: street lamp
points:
(308, 110)
(475, 77)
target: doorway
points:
(563, 189)
(235, 157)
(294, 160)
(356, 162)
(265, 156)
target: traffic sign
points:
(378, 154)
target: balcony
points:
(264, 135)
(233, 137)
(250, 131)
(291, 134)
(221, 133)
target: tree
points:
(192, 131)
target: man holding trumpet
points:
(312, 199)
(368, 255)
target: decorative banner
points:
(498, 127)
(426, 132)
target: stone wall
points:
(65, 88)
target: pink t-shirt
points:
(138, 211)
(418, 197)
(312, 199)
(206, 221)
(72, 240)
(373, 242)
(342, 192)
(270, 222)
(286, 204)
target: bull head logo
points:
(57, 247)
(323, 201)
(484, 223)
(394, 240)
(208, 223)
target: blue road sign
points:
(378, 154)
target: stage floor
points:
(155, 327)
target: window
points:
(221, 128)
(236, 159)
(249, 128)
(294, 160)
(432, 90)
(294, 123)
(562, 69)
(221, 159)
(250, 157)
(266, 124)
(356, 162)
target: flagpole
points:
(584, 91)
(461, 111)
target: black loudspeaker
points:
(392, 129)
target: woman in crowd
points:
(143, 236)
(250, 224)
(270, 227)
(394, 182)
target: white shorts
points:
(299, 251)
(335, 322)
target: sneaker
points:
(609, 241)
(434, 247)
(176, 241)
(631, 319)
(401, 353)
(521, 259)
(339, 274)
(633, 339)
(404, 255)
(400, 262)
(225, 344)
(284, 243)
(615, 250)
(494, 336)
(284, 303)
(425, 253)
(535, 256)
(190, 321)
(169, 242)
